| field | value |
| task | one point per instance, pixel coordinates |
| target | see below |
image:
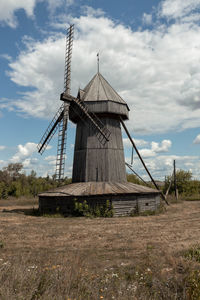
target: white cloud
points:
(157, 72)
(53, 5)
(6, 56)
(45, 63)
(197, 139)
(162, 165)
(147, 19)
(9, 7)
(24, 152)
(156, 148)
(89, 11)
(51, 160)
(164, 147)
(28, 156)
(50, 157)
(138, 142)
(178, 8)
(147, 153)
(2, 147)
(30, 163)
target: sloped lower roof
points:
(98, 89)
(99, 188)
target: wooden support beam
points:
(132, 142)
(170, 183)
(175, 186)
(130, 167)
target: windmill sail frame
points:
(61, 118)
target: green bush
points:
(134, 179)
(84, 209)
(3, 190)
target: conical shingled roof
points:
(98, 89)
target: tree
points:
(183, 181)
(15, 183)
(13, 170)
(134, 179)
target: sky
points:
(149, 53)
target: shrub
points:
(84, 209)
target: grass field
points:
(152, 257)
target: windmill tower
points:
(94, 161)
(99, 172)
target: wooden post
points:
(175, 186)
(133, 144)
(130, 167)
(170, 183)
(132, 156)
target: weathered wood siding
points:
(109, 107)
(94, 161)
(131, 204)
(123, 205)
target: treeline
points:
(14, 182)
(185, 184)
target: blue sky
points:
(149, 53)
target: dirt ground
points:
(140, 258)
(175, 230)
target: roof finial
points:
(98, 62)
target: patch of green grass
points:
(193, 253)
(36, 213)
(56, 215)
(193, 282)
(161, 209)
(192, 198)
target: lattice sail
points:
(101, 131)
(62, 134)
(61, 118)
(68, 56)
(52, 128)
(61, 150)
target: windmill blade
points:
(61, 150)
(53, 126)
(99, 128)
(101, 131)
(68, 56)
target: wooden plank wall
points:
(94, 161)
(108, 107)
(123, 205)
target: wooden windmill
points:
(60, 119)
(99, 172)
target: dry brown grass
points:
(113, 258)
(21, 201)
